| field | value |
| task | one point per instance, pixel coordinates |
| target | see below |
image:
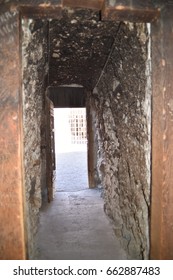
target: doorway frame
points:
(162, 130)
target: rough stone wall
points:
(121, 101)
(34, 61)
(79, 45)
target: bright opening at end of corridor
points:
(71, 149)
(74, 226)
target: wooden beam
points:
(40, 9)
(114, 10)
(91, 147)
(87, 4)
(162, 137)
(132, 11)
(12, 236)
(36, 12)
(35, 9)
(37, 3)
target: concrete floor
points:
(71, 173)
(74, 226)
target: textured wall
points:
(34, 49)
(121, 101)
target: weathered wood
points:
(133, 11)
(92, 147)
(35, 8)
(14, 3)
(40, 8)
(50, 156)
(52, 12)
(44, 6)
(12, 237)
(115, 10)
(162, 137)
(89, 4)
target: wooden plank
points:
(49, 154)
(92, 146)
(116, 10)
(88, 4)
(35, 3)
(162, 137)
(132, 11)
(35, 9)
(157, 144)
(90, 136)
(53, 4)
(12, 236)
(35, 12)
(41, 9)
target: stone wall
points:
(121, 101)
(34, 62)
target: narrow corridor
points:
(113, 58)
(74, 225)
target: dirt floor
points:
(74, 226)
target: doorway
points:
(70, 149)
(161, 44)
(74, 226)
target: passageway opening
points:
(104, 46)
(104, 67)
(71, 149)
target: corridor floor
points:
(74, 226)
(71, 174)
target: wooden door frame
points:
(162, 136)
(50, 148)
(91, 147)
(162, 112)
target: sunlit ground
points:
(71, 159)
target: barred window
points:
(77, 120)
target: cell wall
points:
(122, 106)
(34, 62)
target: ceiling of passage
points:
(79, 47)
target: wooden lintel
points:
(41, 11)
(35, 9)
(131, 14)
(89, 4)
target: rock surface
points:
(121, 102)
(34, 50)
